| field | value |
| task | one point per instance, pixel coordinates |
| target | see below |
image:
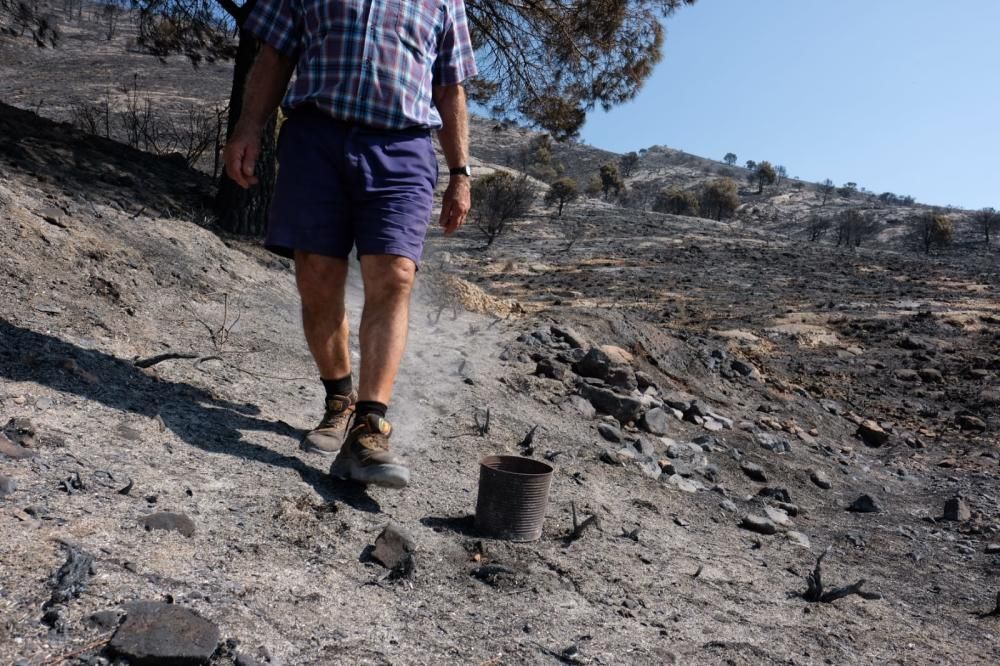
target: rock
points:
(865, 504)
(12, 450)
(649, 466)
(656, 421)
(685, 485)
(682, 450)
(678, 400)
(831, 406)
(993, 548)
(7, 486)
(105, 620)
(643, 380)
(777, 494)
(617, 355)
(610, 432)
(726, 422)
(394, 547)
(771, 442)
(595, 364)
(611, 457)
(970, 422)
(956, 509)
(623, 408)
(645, 445)
(667, 466)
(872, 434)
(156, 633)
(581, 406)
(166, 520)
(754, 471)
(758, 524)
(913, 343)
(907, 375)
(566, 333)
(551, 369)
(729, 505)
(777, 516)
(712, 425)
(820, 478)
(621, 376)
(931, 375)
(798, 539)
(743, 368)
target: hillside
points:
(742, 393)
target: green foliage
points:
(751, 165)
(629, 162)
(720, 199)
(677, 202)
(593, 186)
(536, 159)
(561, 192)
(611, 181)
(764, 175)
(497, 199)
(730, 159)
(553, 61)
(848, 190)
(934, 229)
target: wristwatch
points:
(465, 170)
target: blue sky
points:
(896, 95)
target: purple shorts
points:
(341, 185)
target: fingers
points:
(249, 162)
(454, 209)
(445, 218)
(240, 157)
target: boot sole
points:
(308, 447)
(386, 476)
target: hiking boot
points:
(365, 456)
(327, 437)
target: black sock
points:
(342, 386)
(366, 407)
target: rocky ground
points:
(728, 405)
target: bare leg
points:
(388, 282)
(321, 283)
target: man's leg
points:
(388, 282)
(365, 456)
(321, 282)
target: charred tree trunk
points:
(242, 211)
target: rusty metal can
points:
(513, 497)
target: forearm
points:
(266, 85)
(454, 135)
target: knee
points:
(392, 279)
(320, 283)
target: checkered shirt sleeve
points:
(456, 59)
(277, 23)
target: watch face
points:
(461, 171)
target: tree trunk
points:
(242, 211)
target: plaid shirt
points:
(370, 62)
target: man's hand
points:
(240, 155)
(456, 204)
